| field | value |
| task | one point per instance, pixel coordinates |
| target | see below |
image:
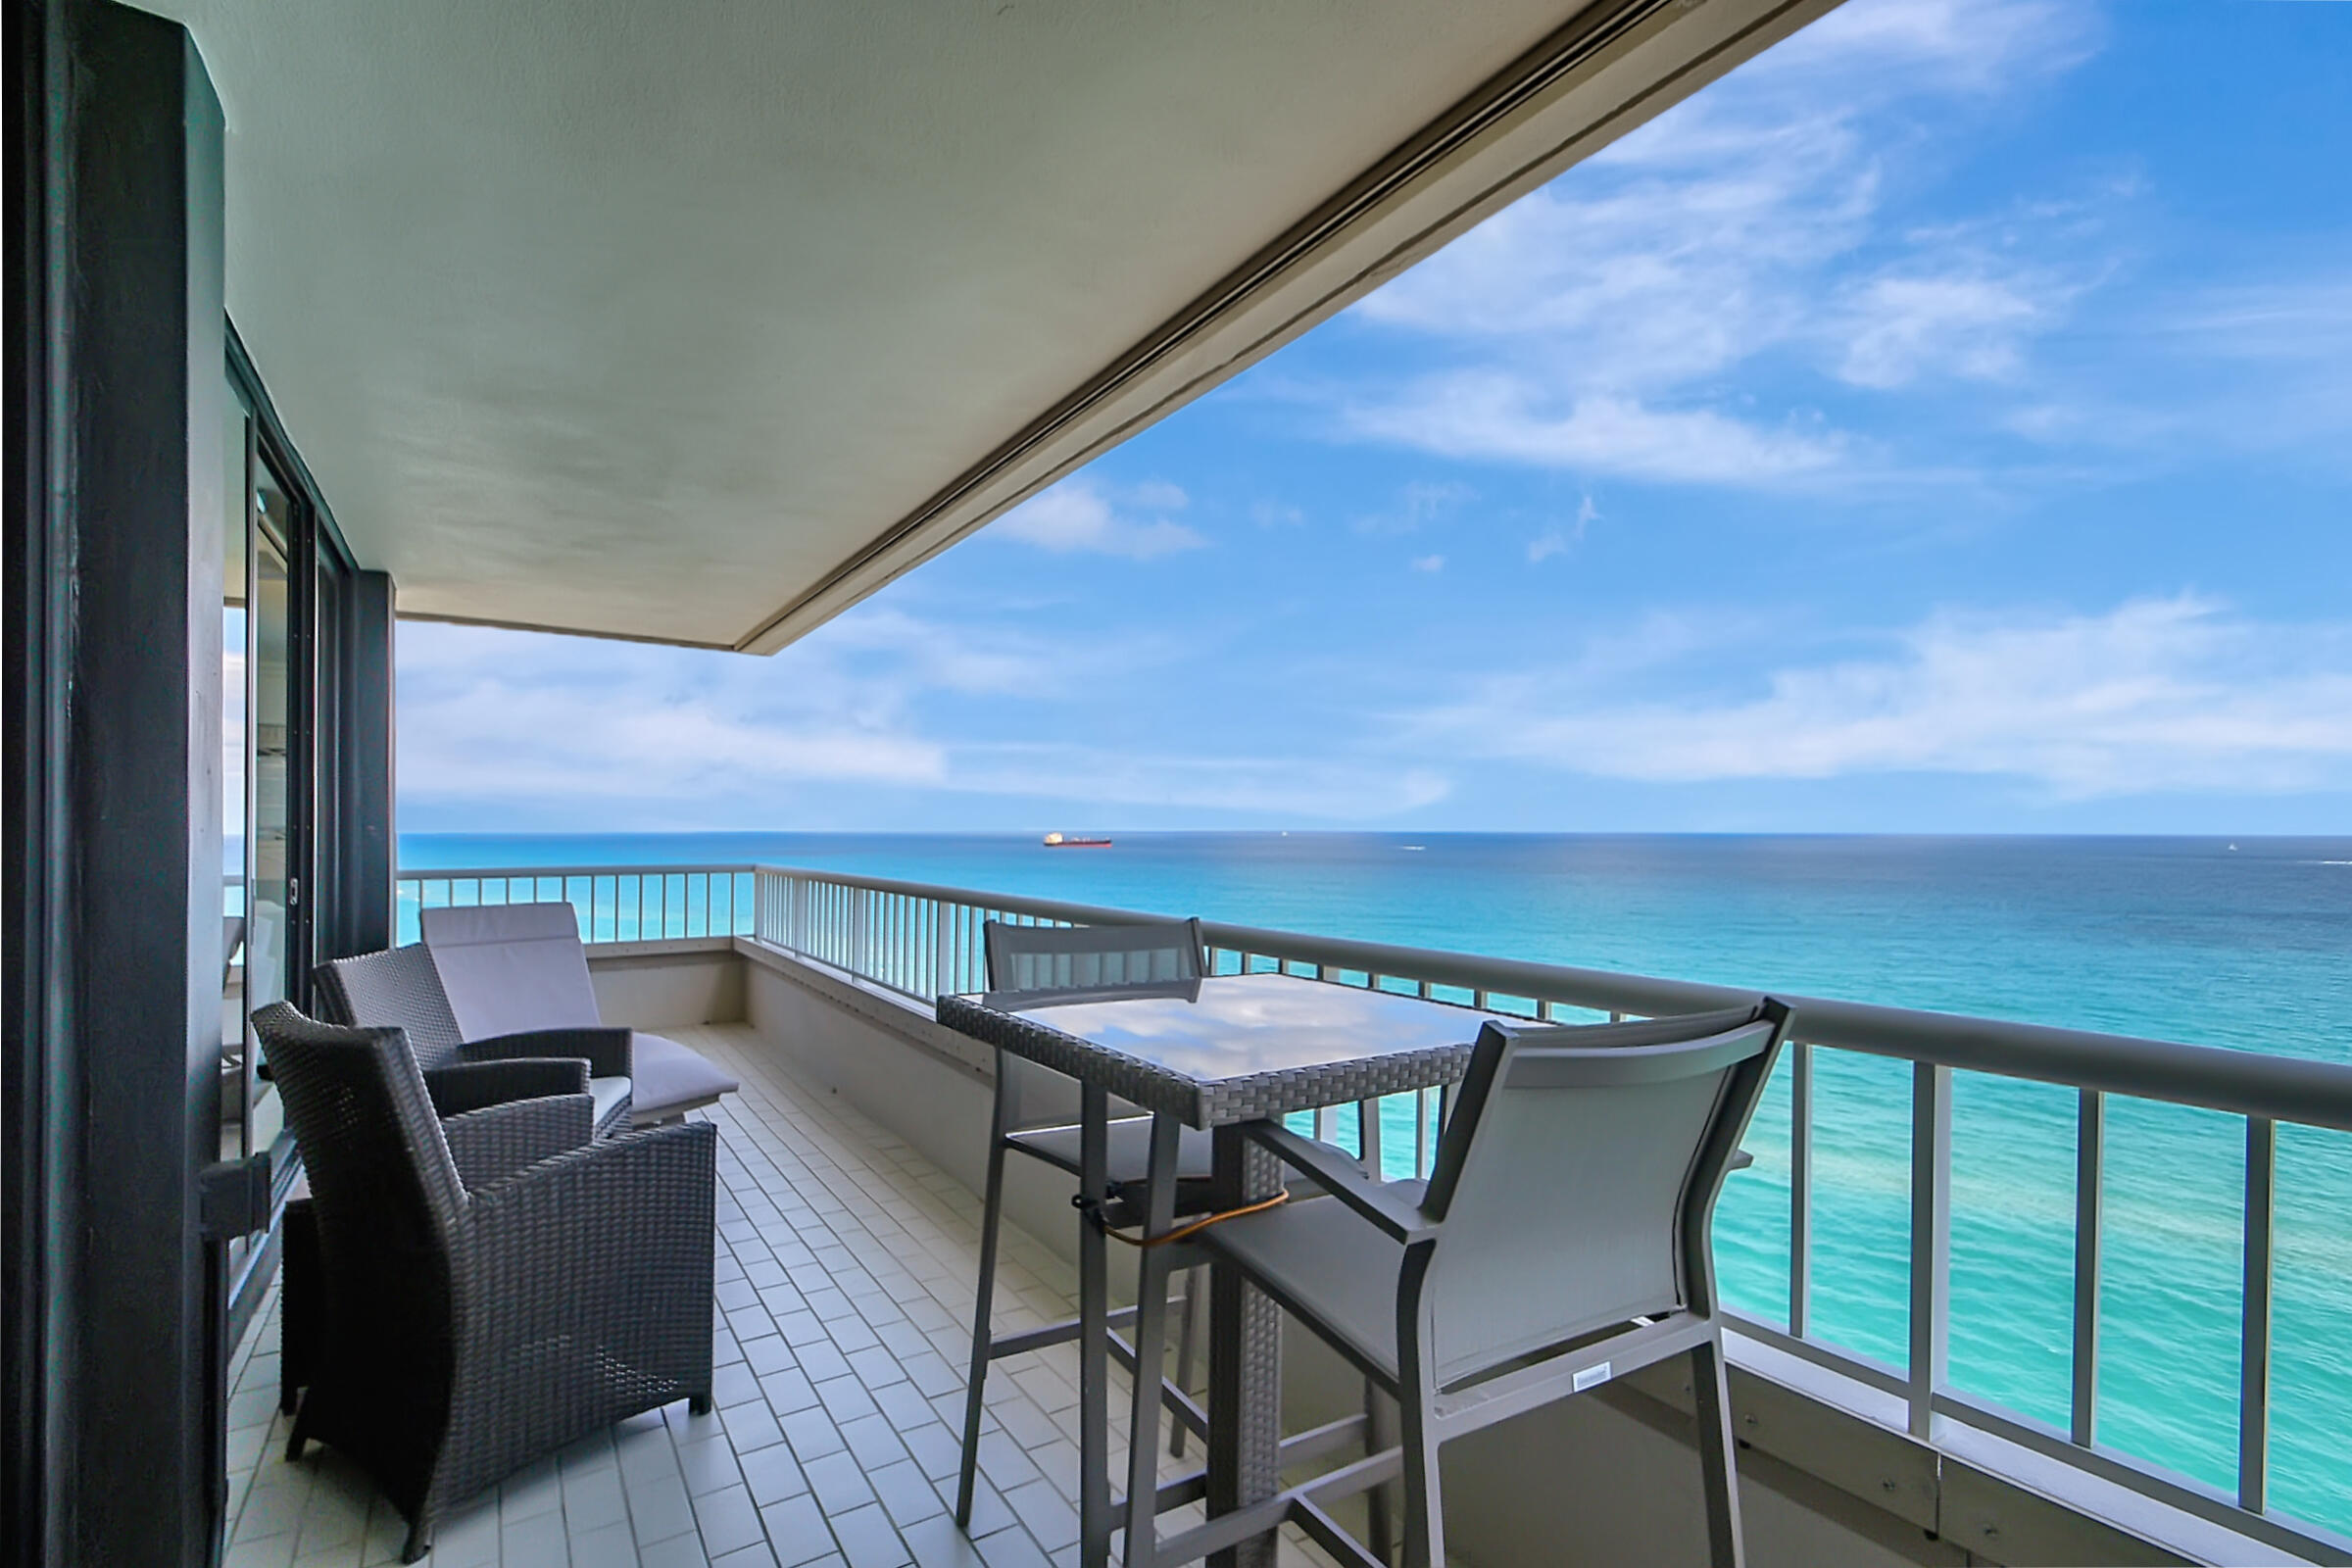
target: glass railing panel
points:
(2013, 1244)
(2311, 1327)
(1861, 1240)
(2169, 1310)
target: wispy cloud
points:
(1560, 538)
(1079, 515)
(1494, 415)
(1591, 326)
(2154, 695)
(552, 731)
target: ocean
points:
(2245, 943)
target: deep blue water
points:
(2247, 946)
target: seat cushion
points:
(1326, 1263)
(671, 1079)
(612, 1097)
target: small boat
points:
(1075, 841)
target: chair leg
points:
(1717, 1451)
(1195, 1282)
(1380, 1503)
(420, 1541)
(976, 1379)
(1424, 1507)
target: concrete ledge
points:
(654, 985)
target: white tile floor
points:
(846, 1263)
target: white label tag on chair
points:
(1591, 1377)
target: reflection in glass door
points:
(260, 729)
(236, 1058)
(273, 870)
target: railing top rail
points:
(2290, 1089)
(493, 873)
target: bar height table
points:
(1213, 1054)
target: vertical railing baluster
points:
(1423, 1148)
(2254, 1331)
(1367, 1137)
(1800, 1188)
(1931, 1239)
(2090, 1210)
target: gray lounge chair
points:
(509, 968)
(1036, 1112)
(1562, 1238)
(400, 989)
(495, 1285)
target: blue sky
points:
(1942, 423)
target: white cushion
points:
(609, 1094)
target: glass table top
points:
(1247, 1025)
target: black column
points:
(361, 796)
(115, 823)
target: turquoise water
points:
(2248, 947)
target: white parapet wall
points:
(645, 985)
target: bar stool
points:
(1563, 1239)
(1035, 1116)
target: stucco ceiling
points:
(695, 321)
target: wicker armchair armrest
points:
(606, 1051)
(608, 1247)
(490, 1145)
(464, 1085)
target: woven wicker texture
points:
(397, 985)
(466, 1331)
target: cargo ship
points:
(1075, 841)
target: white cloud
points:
(2154, 695)
(1592, 324)
(555, 731)
(1971, 323)
(1560, 539)
(1484, 414)
(1077, 515)
(1430, 564)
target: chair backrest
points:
(1082, 958)
(1577, 1178)
(396, 989)
(510, 967)
(1091, 957)
(386, 1191)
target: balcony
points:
(849, 1229)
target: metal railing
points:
(615, 903)
(920, 940)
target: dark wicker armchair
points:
(496, 1285)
